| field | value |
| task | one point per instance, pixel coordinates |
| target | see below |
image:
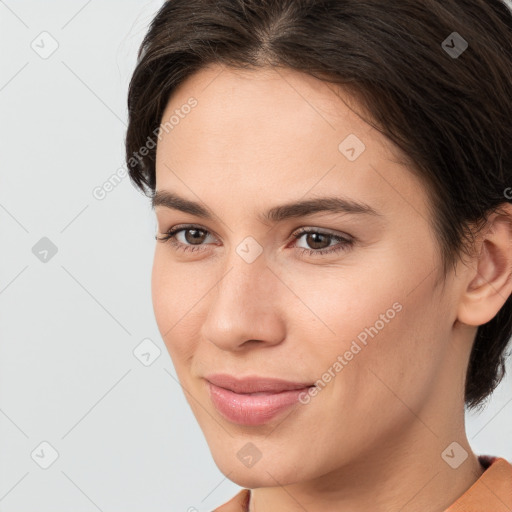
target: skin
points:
(372, 438)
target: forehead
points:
(267, 102)
(276, 130)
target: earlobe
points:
(490, 282)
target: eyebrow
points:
(279, 213)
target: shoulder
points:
(492, 492)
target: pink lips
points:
(252, 400)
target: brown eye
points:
(319, 243)
(192, 239)
(318, 240)
(197, 235)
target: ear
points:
(490, 281)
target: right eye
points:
(197, 234)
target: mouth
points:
(255, 384)
(253, 401)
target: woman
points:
(332, 277)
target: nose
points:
(244, 307)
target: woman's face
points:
(248, 298)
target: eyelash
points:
(346, 243)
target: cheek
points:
(173, 298)
(161, 293)
(402, 342)
(387, 328)
(341, 303)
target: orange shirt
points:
(492, 492)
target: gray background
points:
(125, 436)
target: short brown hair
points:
(450, 114)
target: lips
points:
(253, 401)
(254, 384)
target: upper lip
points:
(254, 384)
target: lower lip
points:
(252, 409)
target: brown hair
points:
(450, 113)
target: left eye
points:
(313, 237)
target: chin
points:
(253, 478)
(264, 473)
